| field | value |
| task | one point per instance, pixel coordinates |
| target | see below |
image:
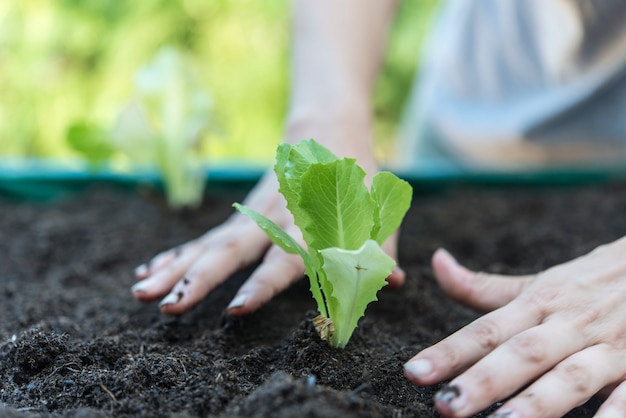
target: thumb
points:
(477, 290)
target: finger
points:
(479, 291)
(213, 267)
(221, 233)
(145, 270)
(390, 246)
(526, 355)
(277, 271)
(571, 383)
(239, 247)
(396, 278)
(161, 280)
(468, 345)
(615, 404)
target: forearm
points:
(337, 50)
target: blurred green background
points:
(73, 62)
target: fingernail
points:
(142, 270)
(171, 299)
(446, 254)
(507, 413)
(419, 369)
(139, 287)
(451, 397)
(238, 302)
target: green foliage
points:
(168, 125)
(353, 280)
(92, 142)
(72, 62)
(343, 225)
(164, 127)
(66, 62)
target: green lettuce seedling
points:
(343, 225)
(165, 127)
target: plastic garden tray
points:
(49, 179)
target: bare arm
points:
(337, 51)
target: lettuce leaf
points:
(357, 276)
(343, 225)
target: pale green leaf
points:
(393, 198)
(273, 231)
(289, 245)
(356, 278)
(292, 161)
(339, 205)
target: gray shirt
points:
(506, 82)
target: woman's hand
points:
(185, 275)
(558, 337)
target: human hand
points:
(561, 332)
(186, 274)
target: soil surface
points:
(74, 343)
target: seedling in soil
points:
(343, 225)
(165, 127)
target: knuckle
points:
(589, 315)
(290, 263)
(486, 333)
(232, 245)
(575, 374)
(544, 300)
(450, 356)
(528, 347)
(233, 249)
(269, 287)
(485, 385)
(536, 403)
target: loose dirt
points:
(74, 343)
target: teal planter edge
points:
(49, 179)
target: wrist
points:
(340, 126)
(345, 129)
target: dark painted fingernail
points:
(450, 395)
(507, 413)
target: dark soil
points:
(74, 343)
